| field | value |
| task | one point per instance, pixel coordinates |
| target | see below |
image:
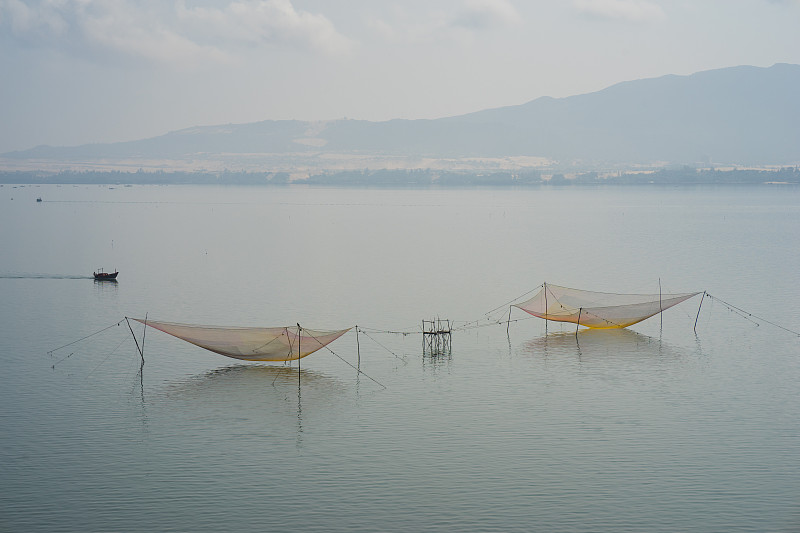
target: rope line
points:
(467, 325)
(354, 368)
(344, 361)
(84, 338)
(382, 346)
(748, 316)
(408, 331)
(63, 359)
(514, 300)
(474, 325)
(107, 357)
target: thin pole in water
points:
(698, 311)
(508, 324)
(544, 285)
(134, 339)
(358, 348)
(299, 329)
(578, 324)
(144, 332)
(660, 308)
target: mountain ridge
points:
(742, 115)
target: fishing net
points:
(251, 344)
(601, 310)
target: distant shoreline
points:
(412, 178)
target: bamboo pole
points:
(544, 285)
(698, 311)
(358, 348)
(299, 329)
(134, 339)
(144, 332)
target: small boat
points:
(39, 199)
(105, 275)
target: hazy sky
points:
(80, 71)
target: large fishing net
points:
(598, 309)
(251, 344)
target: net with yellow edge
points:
(601, 310)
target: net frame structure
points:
(250, 343)
(598, 310)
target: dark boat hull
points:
(105, 275)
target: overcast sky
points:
(81, 71)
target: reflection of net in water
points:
(255, 401)
(243, 380)
(255, 387)
(611, 344)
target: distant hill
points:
(739, 115)
(744, 115)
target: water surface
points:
(652, 428)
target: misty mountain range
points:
(740, 115)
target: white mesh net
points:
(598, 309)
(251, 344)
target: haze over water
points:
(652, 428)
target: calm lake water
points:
(654, 428)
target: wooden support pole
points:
(698, 311)
(544, 285)
(298, 355)
(358, 348)
(144, 332)
(141, 353)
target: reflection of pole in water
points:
(141, 396)
(141, 381)
(299, 340)
(436, 363)
(660, 309)
(299, 406)
(299, 441)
